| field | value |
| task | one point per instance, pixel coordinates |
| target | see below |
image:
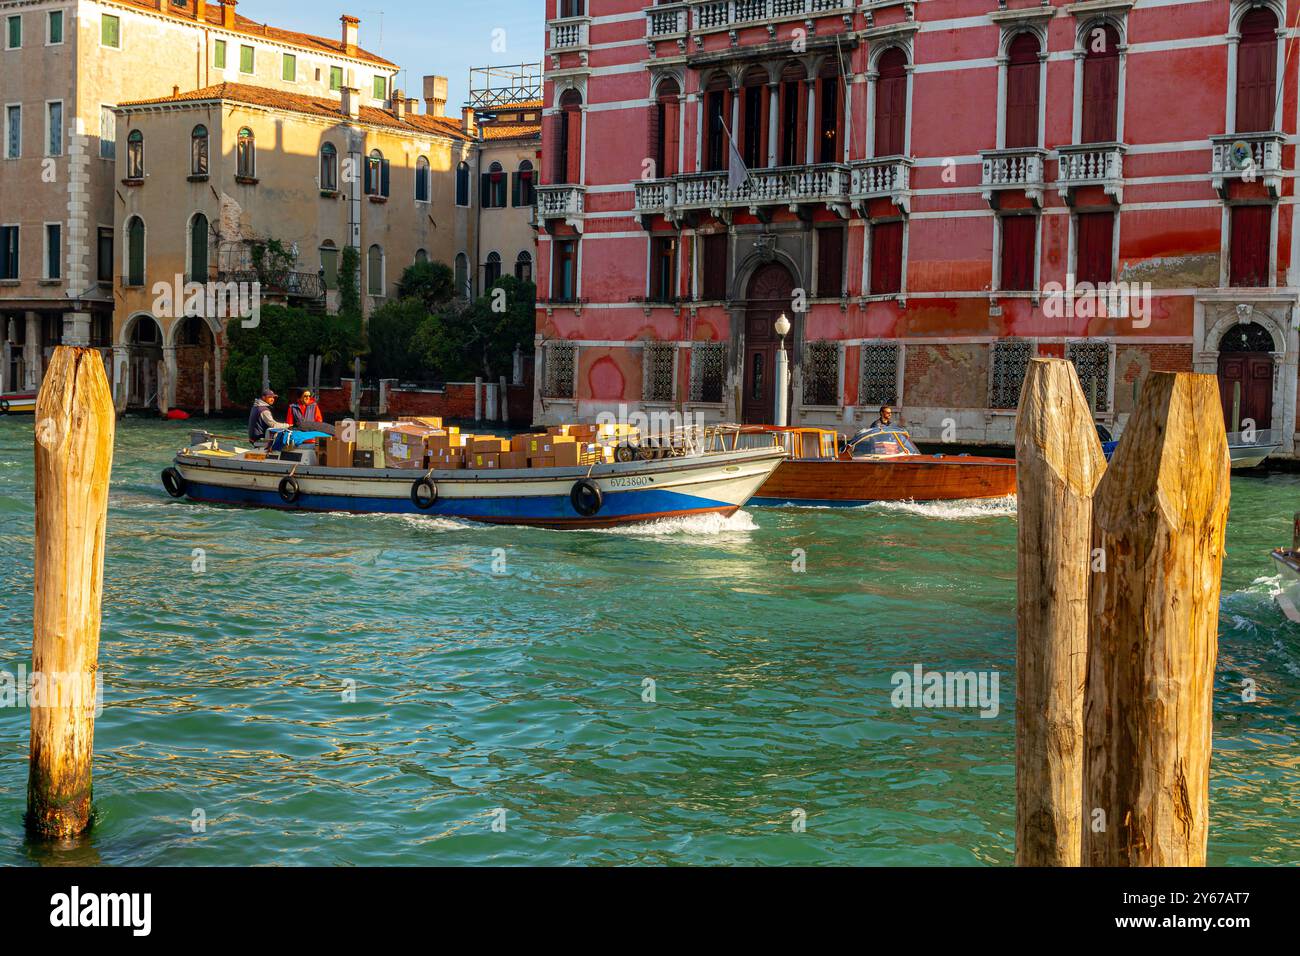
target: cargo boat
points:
(15, 403)
(695, 476)
(1288, 565)
(876, 464)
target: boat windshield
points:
(878, 442)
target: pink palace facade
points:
(922, 179)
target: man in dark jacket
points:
(261, 418)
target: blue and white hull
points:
(628, 492)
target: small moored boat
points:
(16, 403)
(695, 475)
(1288, 565)
(876, 464)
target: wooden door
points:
(770, 291)
(1250, 376)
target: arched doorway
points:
(1246, 376)
(144, 351)
(768, 295)
(195, 347)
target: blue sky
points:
(433, 36)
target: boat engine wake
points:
(951, 510)
(707, 525)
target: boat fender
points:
(174, 482)
(289, 489)
(586, 497)
(423, 494)
(625, 453)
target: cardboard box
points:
(491, 444)
(567, 453)
(522, 442)
(338, 453)
(485, 459)
(514, 459)
(428, 422)
(364, 459)
(370, 439)
(405, 446)
(582, 432)
(541, 461)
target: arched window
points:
(524, 267)
(891, 103)
(794, 107)
(568, 139)
(375, 271)
(830, 103)
(1022, 92)
(246, 155)
(377, 174)
(492, 189)
(421, 179)
(717, 112)
(491, 269)
(199, 248)
(665, 122)
(329, 168)
(1100, 85)
(1257, 71)
(421, 255)
(135, 155)
(524, 192)
(199, 151)
(462, 275)
(751, 136)
(462, 184)
(135, 251)
(329, 263)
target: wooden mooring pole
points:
(1058, 463)
(1159, 515)
(75, 423)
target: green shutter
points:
(290, 67)
(15, 32)
(56, 26)
(245, 59)
(110, 32)
(381, 87)
(336, 77)
(219, 55)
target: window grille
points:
(1010, 361)
(821, 373)
(560, 368)
(878, 375)
(657, 372)
(707, 372)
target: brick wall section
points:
(455, 401)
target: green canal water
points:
(522, 686)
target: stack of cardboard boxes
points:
(423, 444)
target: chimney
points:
(435, 95)
(350, 102)
(351, 27)
(468, 125)
(228, 13)
(401, 105)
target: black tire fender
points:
(586, 497)
(174, 482)
(289, 489)
(424, 500)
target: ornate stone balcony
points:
(1091, 164)
(667, 21)
(563, 203)
(885, 178)
(795, 187)
(711, 16)
(1249, 157)
(1018, 168)
(569, 35)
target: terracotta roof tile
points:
(500, 131)
(254, 29)
(309, 106)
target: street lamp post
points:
(781, 416)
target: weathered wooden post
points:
(1158, 523)
(1058, 463)
(266, 372)
(207, 407)
(503, 396)
(75, 422)
(164, 388)
(356, 388)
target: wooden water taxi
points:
(1288, 566)
(693, 476)
(876, 464)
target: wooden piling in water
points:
(1159, 515)
(75, 422)
(1058, 463)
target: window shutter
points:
(573, 146)
(830, 262)
(384, 168)
(514, 189)
(654, 139)
(1096, 231)
(714, 255)
(886, 258)
(1018, 253)
(1101, 89)
(671, 119)
(1248, 264)
(1256, 72)
(891, 105)
(369, 179)
(1022, 93)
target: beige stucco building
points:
(510, 163)
(205, 176)
(64, 66)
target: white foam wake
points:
(707, 524)
(951, 510)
